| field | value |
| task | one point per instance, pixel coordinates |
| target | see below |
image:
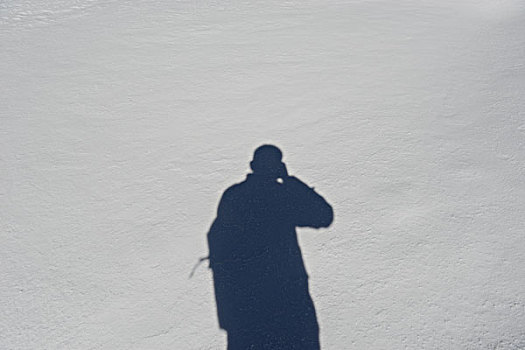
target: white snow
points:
(123, 121)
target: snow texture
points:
(123, 121)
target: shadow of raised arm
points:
(308, 208)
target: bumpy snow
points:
(123, 121)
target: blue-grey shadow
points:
(260, 281)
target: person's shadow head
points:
(267, 162)
(260, 281)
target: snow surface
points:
(123, 121)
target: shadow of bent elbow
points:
(327, 218)
(324, 219)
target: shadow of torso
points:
(261, 285)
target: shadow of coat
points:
(261, 285)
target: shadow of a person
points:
(261, 285)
